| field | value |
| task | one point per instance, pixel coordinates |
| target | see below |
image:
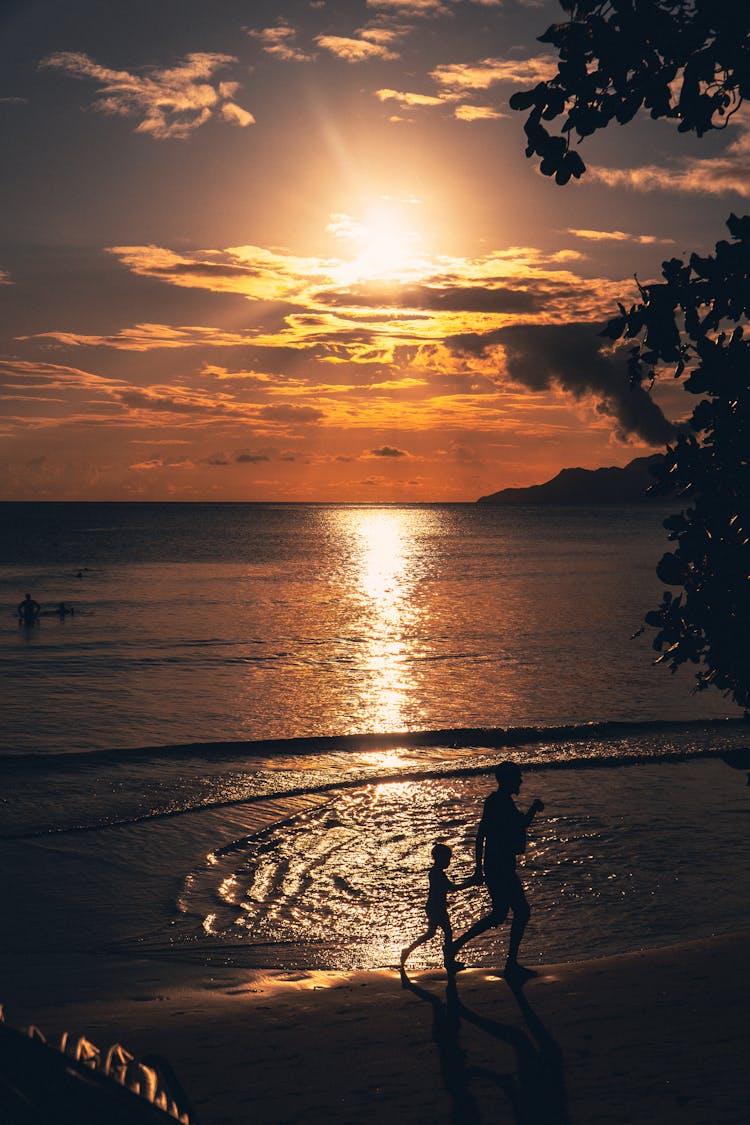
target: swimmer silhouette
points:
(28, 611)
(500, 838)
(436, 908)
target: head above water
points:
(441, 854)
(508, 776)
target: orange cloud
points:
(618, 236)
(313, 304)
(717, 175)
(170, 102)
(477, 113)
(407, 100)
(355, 50)
(279, 42)
(487, 72)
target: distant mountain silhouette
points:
(585, 486)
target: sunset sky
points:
(294, 251)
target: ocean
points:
(244, 740)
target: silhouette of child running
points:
(436, 908)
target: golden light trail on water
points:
(385, 577)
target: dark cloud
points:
(459, 298)
(388, 451)
(574, 357)
(250, 458)
(204, 269)
(151, 400)
(288, 412)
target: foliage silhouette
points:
(682, 59)
(688, 60)
(692, 322)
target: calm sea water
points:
(201, 632)
(231, 622)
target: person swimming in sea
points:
(28, 611)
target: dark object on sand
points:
(72, 1082)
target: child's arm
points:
(470, 882)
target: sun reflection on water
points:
(385, 578)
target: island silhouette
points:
(627, 485)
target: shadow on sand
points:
(535, 1089)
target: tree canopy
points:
(688, 60)
(690, 323)
(682, 59)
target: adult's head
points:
(508, 776)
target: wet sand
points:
(659, 1036)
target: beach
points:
(654, 1036)
(215, 827)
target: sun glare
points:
(383, 245)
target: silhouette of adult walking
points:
(500, 838)
(28, 611)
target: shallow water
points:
(372, 643)
(622, 858)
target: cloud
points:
(410, 8)
(248, 457)
(177, 400)
(618, 236)
(5, 278)
(13, 101)
(236, 115)
(316, 307)
(487, 72)
(170, 102)
(279, 41)
(355, 50)
(147, 337)
(289, 412)
(575, 358)
(407, 100)
(717, 175)
(477, 113)
(388, 451)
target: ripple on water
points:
(620, 859)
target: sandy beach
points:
(655, 1036)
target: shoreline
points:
(656, 1035)
(511, 738)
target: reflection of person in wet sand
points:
(28, 611)
(436, 908)
(500, 838)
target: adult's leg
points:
(521, 914)
(496, 917)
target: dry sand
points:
(651, 1037)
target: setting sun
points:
(383, 245)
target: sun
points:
(384, 245)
